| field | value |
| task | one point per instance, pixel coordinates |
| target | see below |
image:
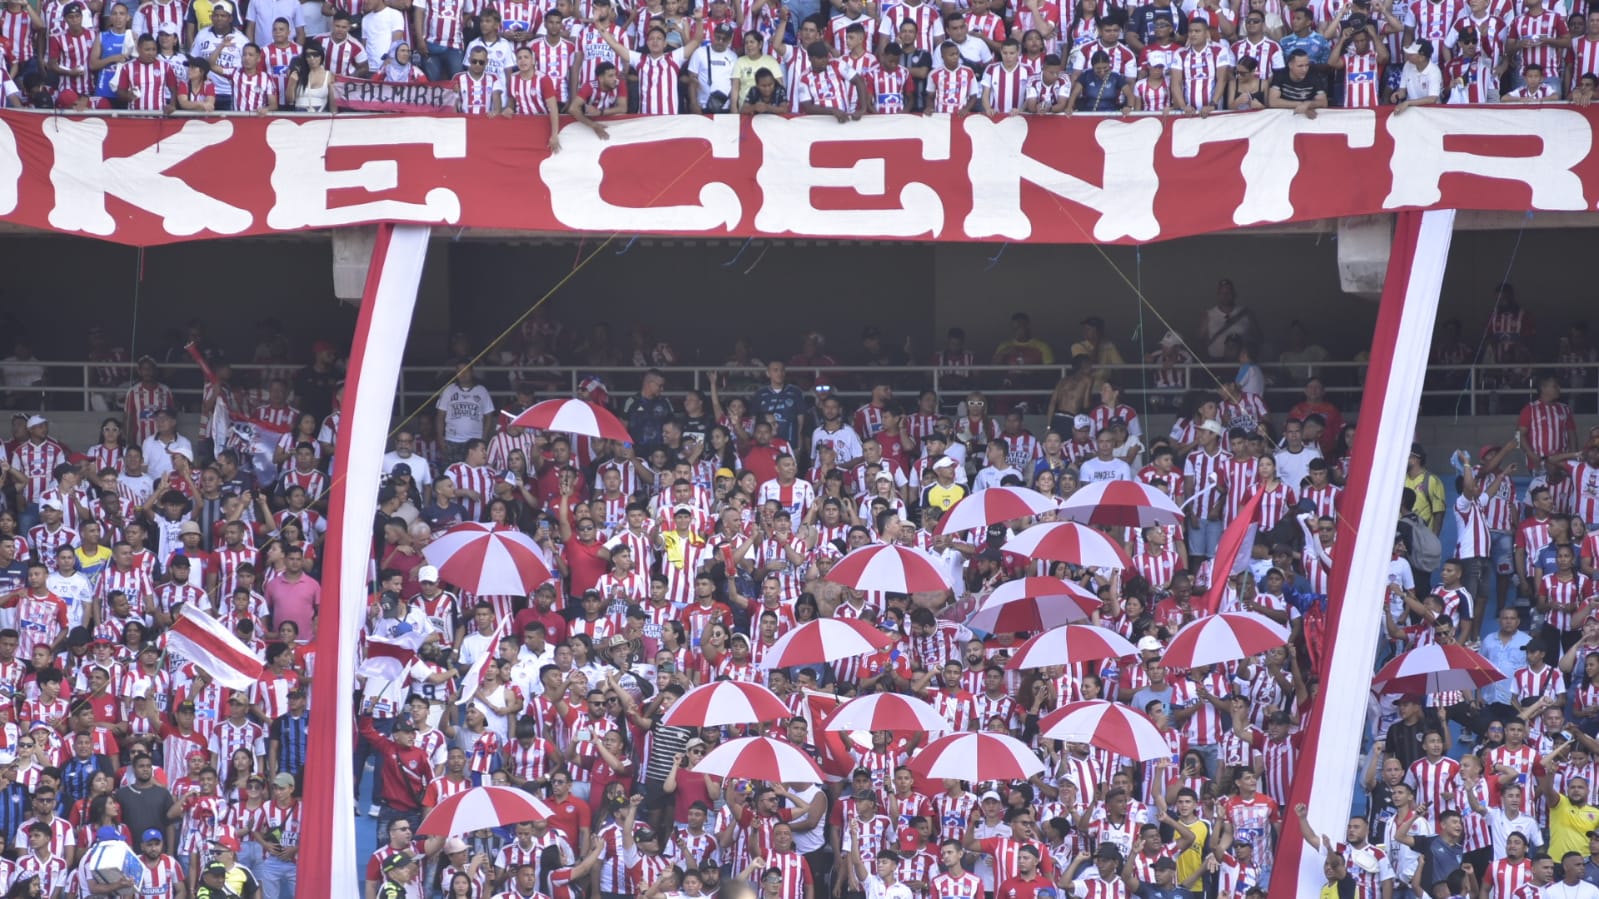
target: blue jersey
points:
(111, 44)
(784, 406)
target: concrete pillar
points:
(1363, 245)
(352, 256)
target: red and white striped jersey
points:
(46, 543)
(1204, 727)
(341, 58)
(1362, 79)
(1548, 425)
(1240, 475)
(888, 88)
(1506, 877)
(529, 96)
(1200, 69)
(479, 479)
(135, 583)
(1278, 756)
(1560, 592)
(795, 870)
(952, 90)
(1583, 482)
(531, 762)
(1491, 30)
(835, 31)
(16, 34)
(1547, 24)
(1437, 784)
(1275, 504)
(928, 18)
(51, 871)
(829, 87)
(554, 60)
(1267, 54)
(153, 85)
(1471, 528)
(1047, 93)
(1207, 474)
(1152, 97)
(37, 462)
(71, 51)
(1005, 90)
(952, 815)
(159, 877)
(1532, 535)
(796, 498)
(1325, 498)
(520, 15)
(985, 25)
(1158, 568)
(1530, 684)
(443, 23)
(1123, 61)
(476, 97)
(504, 442)
(657, 81)
(1431, 19)
(594, 50)
(967, 886)
(1583, 54)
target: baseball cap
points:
(189, 527)
(397, 860)
(284, 779)
(991, 794)
(725, 473)
(427, 574)
(945, 462)
(1082, 423)
(454, 845)
(1412, 47)
(107, 832)
(217, 868)
(695, 743)
(1212, 426)
(1149, 644)
(643, 834)
(36, 420)
(151, 834)
(51, 504)
(725, 28)
(227, 841)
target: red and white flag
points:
(390, 658)
(1233, 551)
(832, 755)
(204, 641)
(474, 675)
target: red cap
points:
(66, 99)
(909, 838)
(227, 842)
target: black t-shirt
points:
(1298, 91)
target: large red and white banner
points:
(1047, 180)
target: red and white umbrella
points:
(1068, 541)
(890, 568)
(1069, 645)
(480, 807)
(976, 757)
(1108, 725)
(760, 758)
(1033, 604)
(1223, 638)
(487, 559)
(994, 506)
(1436, 669)
(825, 640)
(1120, 504)
(724, 703)
(887, 711)
(574, 417)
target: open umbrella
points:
(993, 506)
(1070, 644)
(574, 417)
(1033, 604)
(487, 559)
(1108, 725)
(1435, 669)
(760, 758)
(890, 568)
(1223, 638)
(887, 711)
(1120, 504)
(976, 757)
(825, 640)
(479, 807)
(724, 703)
(1068, 541)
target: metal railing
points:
(87, 386)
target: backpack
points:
(1426, 550)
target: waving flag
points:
(832, 755)
(204, 641)
(390, 657)
(474, 675)
(1232, 552)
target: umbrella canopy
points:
(825, 640)
(890, 568)
(573, 417)
(760, 758)
(1068, 541)
(1436, 669)
(1121, 504)
(1033, 604)
(887, 711)
(1069, 645)
(976, 757)
(1223, 638)
(1108, 725)
(487, 559)
(480, 807)
(725, 703)
(993, 506)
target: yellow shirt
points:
(1429, 505)
(1569, 826)
(944, 497)
(90, 563)
(744, 71)
(1189, 860)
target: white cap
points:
(454, 845)
(178, 449)
(1149, 644)
(944, 462)
(1212, 426)
(991, 794)
(36, 420)
(51, 504)
(1082, 422)
(1412, 48)
(427, 574)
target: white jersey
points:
(464, 408)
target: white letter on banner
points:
(1420, 161)
(574, 176)
(83, 178)
(302, 181)
(1125, 202)
(10, 169)
(1270, 163)
(787, 177)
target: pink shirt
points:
(295, 601)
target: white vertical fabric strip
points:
(370, 394)
(1360, 622)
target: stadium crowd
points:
(683, 555)
(592, 59)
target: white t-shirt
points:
(992, 477)
(1418, 84)
(464, 409)
(377, 32)
(1582, 889)
(845, 442)
(715, 71)
(502, 54)
(1096, 469)
(877, 889)
(974, 50)
(75, 590)
(420, 471)
(1293, 468)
